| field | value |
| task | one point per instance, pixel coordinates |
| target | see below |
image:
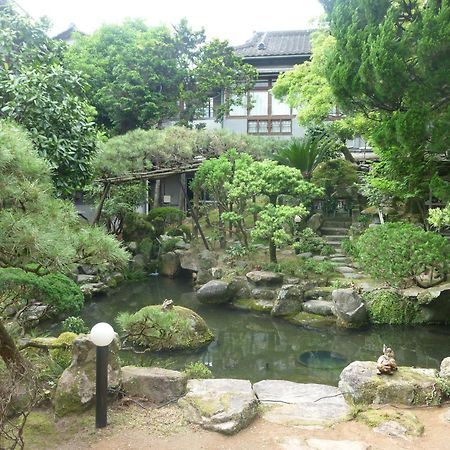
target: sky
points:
(234, 20)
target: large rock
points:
(154, 384)
(159, 329)
(75, 391)
(320, 307)
(301, 404)
(222, 405)
(91, 289)
(264, 278)
(407, 386)
(84, 279)
(215, 291)
(445, 369)
(193, 260)
(263, 294)
(349, 308)
(169, 264)
(289, 300)
(315, 222)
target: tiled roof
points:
(277, 43)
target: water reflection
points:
(257, 347)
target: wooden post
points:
(195, 217)
(196, 208)
(98, 211)
(157, 195)
(182, 201)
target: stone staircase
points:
(334, 230)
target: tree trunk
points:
(272, 251)
(9, 352)
(99, 209)
(196, 208)
(222, 235)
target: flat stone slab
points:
(353, 275)
(222, 405)
(299, 404)
(345, 269)
(264, 278)
(153, 383)
(407, 386)
(320, 307)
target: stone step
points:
(340, 260)
(327, 231)
(335, 237)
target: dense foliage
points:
(139, 75)
(18, 289)
(41, 93)
(38, 231)
(396, 252)
(390, 62)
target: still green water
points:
(256, 347)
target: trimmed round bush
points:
(397, 252)
(75, 325)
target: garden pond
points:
(256, 346)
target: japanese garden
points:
(257, 223)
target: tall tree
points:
(38, 91)
(141, 76)
(391, 63)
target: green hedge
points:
(396, 252)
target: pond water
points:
(256, 347)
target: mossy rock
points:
(63, 355)
(312, 320)
(253, 304)
(376, 417)
(158, 329)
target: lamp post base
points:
(101, 387)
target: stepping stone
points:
(320, 307)
(222, 405)
(353, 276)
(340, 259)
(345, 269)
(298, 404)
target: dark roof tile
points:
(277, 43)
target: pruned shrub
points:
(75, 325)
(396, 252)
(164, 216)
(196, 370)
(308, 241)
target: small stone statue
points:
(167, 304)
(386, 362)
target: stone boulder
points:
(215, 292)
(91, 289)
(445, 369)
(239, 287)
(263, 294)
(85, 279)
(315, 222)
(289, 300)
(223, 405)
(169, 264)
(349, 308)
(158, 329)
(298, 404)
(360, 383)
(194, 261)
(75, 391)
(154, 384)
(320, 307)
(264, 278)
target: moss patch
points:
(312, 320)
(375, 417)
(251, 304)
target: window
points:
(260, 103)
(239, 110)
(264, 126)
(280, 108)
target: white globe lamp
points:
(102, 334)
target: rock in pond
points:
(349, 308)
(153, 383)
(75, 391)
(445, 369)
(215, 292)
(320, 307)
(169, 264)
(301, 404)
(289, 300)
(264, 278)
(91, 289)
(157, 328)
(407, 386)
(223, 405)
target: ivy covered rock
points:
(75, 391)
(360, 383)
(160, 328)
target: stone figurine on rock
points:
(386, 364)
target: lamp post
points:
(102, 334)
